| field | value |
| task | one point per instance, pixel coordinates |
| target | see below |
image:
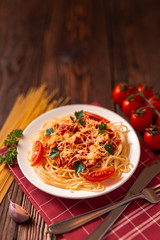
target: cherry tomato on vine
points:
(100, 175)
(158, 120)
(37, 153)
(146, 90)
(131, 103)
(141, 119)
(155, 100)
(120, 92)
(152, 137)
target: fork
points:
(149, 194)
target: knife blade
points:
(147, 174)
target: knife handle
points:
(107, 223)
(105, 226)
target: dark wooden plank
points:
(76, 52)
(134, 42)
(21, 37)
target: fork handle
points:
(77, 221)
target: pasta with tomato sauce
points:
(80, 151)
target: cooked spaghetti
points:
(80, 151)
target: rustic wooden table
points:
(81, 47)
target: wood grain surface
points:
(81, 47)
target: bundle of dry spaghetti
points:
(25, 110)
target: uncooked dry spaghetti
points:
(26, 109)
(80, 151)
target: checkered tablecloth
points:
(141, 220)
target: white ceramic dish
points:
(25, 145)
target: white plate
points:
(25, 145)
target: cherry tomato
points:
(156, 103)
(120, 92)
(141, 119)
(130, 104)
(96, 117)
(147, 90)
(158, 120)
(37, 153)
(100, 175)
(152, 137)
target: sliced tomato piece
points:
(100, 175)
(96, 117)
(37, 153)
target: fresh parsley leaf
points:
(79, 114)
(49, 131)
(72, 118)
(78, 166)
(81, 122)
(102, 128)
(11, 155)
(109, 148)
(54, 153)
(13, 137)
(3, 159)
(11, 142)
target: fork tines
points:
(156, 187)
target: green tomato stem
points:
(150, 103)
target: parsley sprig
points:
(13, 138)
(11, 142)
(109, 148)
(79, 115)
(102, 128)
(78, 166)
(49, 131)
(54, 153)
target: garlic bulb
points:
(17, 213)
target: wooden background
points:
(81, 47)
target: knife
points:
(147, 174)
(77, 221)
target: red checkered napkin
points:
(141, 220)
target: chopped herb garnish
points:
(81, 122)
(109, 148)
(11, 142)
(102, 128)
(49, 131)
(54, 153)
(79, 115)
(72, 118)
(13, 137)
(78, 166)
